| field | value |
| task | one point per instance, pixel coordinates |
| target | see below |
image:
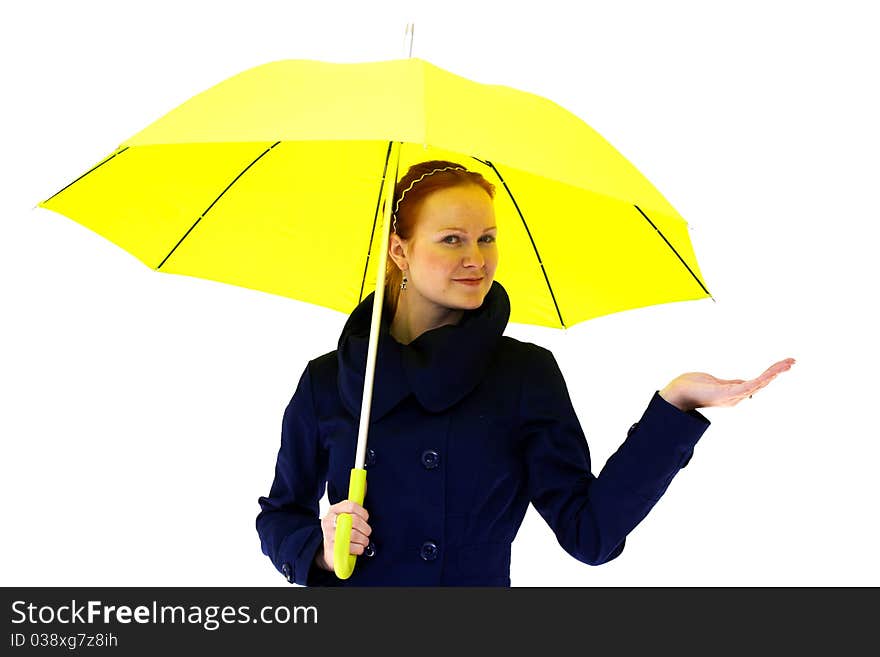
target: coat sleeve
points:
(591, 516)
(288, 522)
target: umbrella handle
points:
(343, 560)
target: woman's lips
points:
(465, 281)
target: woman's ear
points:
(397, 250)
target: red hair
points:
(417, 188)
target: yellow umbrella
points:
(252, 181)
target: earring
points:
(403, 282)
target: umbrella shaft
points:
(388, 183)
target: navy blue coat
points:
(468, 427)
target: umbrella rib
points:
(373, 229)
(101, 163)
(529, 233)
(674, 251)
(208, 209)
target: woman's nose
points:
(474, 257)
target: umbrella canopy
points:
(253, 181)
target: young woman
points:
(467, 426)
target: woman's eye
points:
(454, 239)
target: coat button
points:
(371, 458)
(430, 459)
(631, 429)
(285, 570)
(429, 551)
(370, 550)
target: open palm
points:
(699, 390)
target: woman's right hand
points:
(360, 531)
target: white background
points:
(141, 412)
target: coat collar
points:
(440, 367)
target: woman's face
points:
(452, 244)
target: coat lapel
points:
(440, 367)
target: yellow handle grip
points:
(343, 560)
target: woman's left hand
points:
(699, 390)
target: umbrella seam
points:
(375, 216)
(99, 164)
(659, 232)
(208, 209)
(531, 239)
